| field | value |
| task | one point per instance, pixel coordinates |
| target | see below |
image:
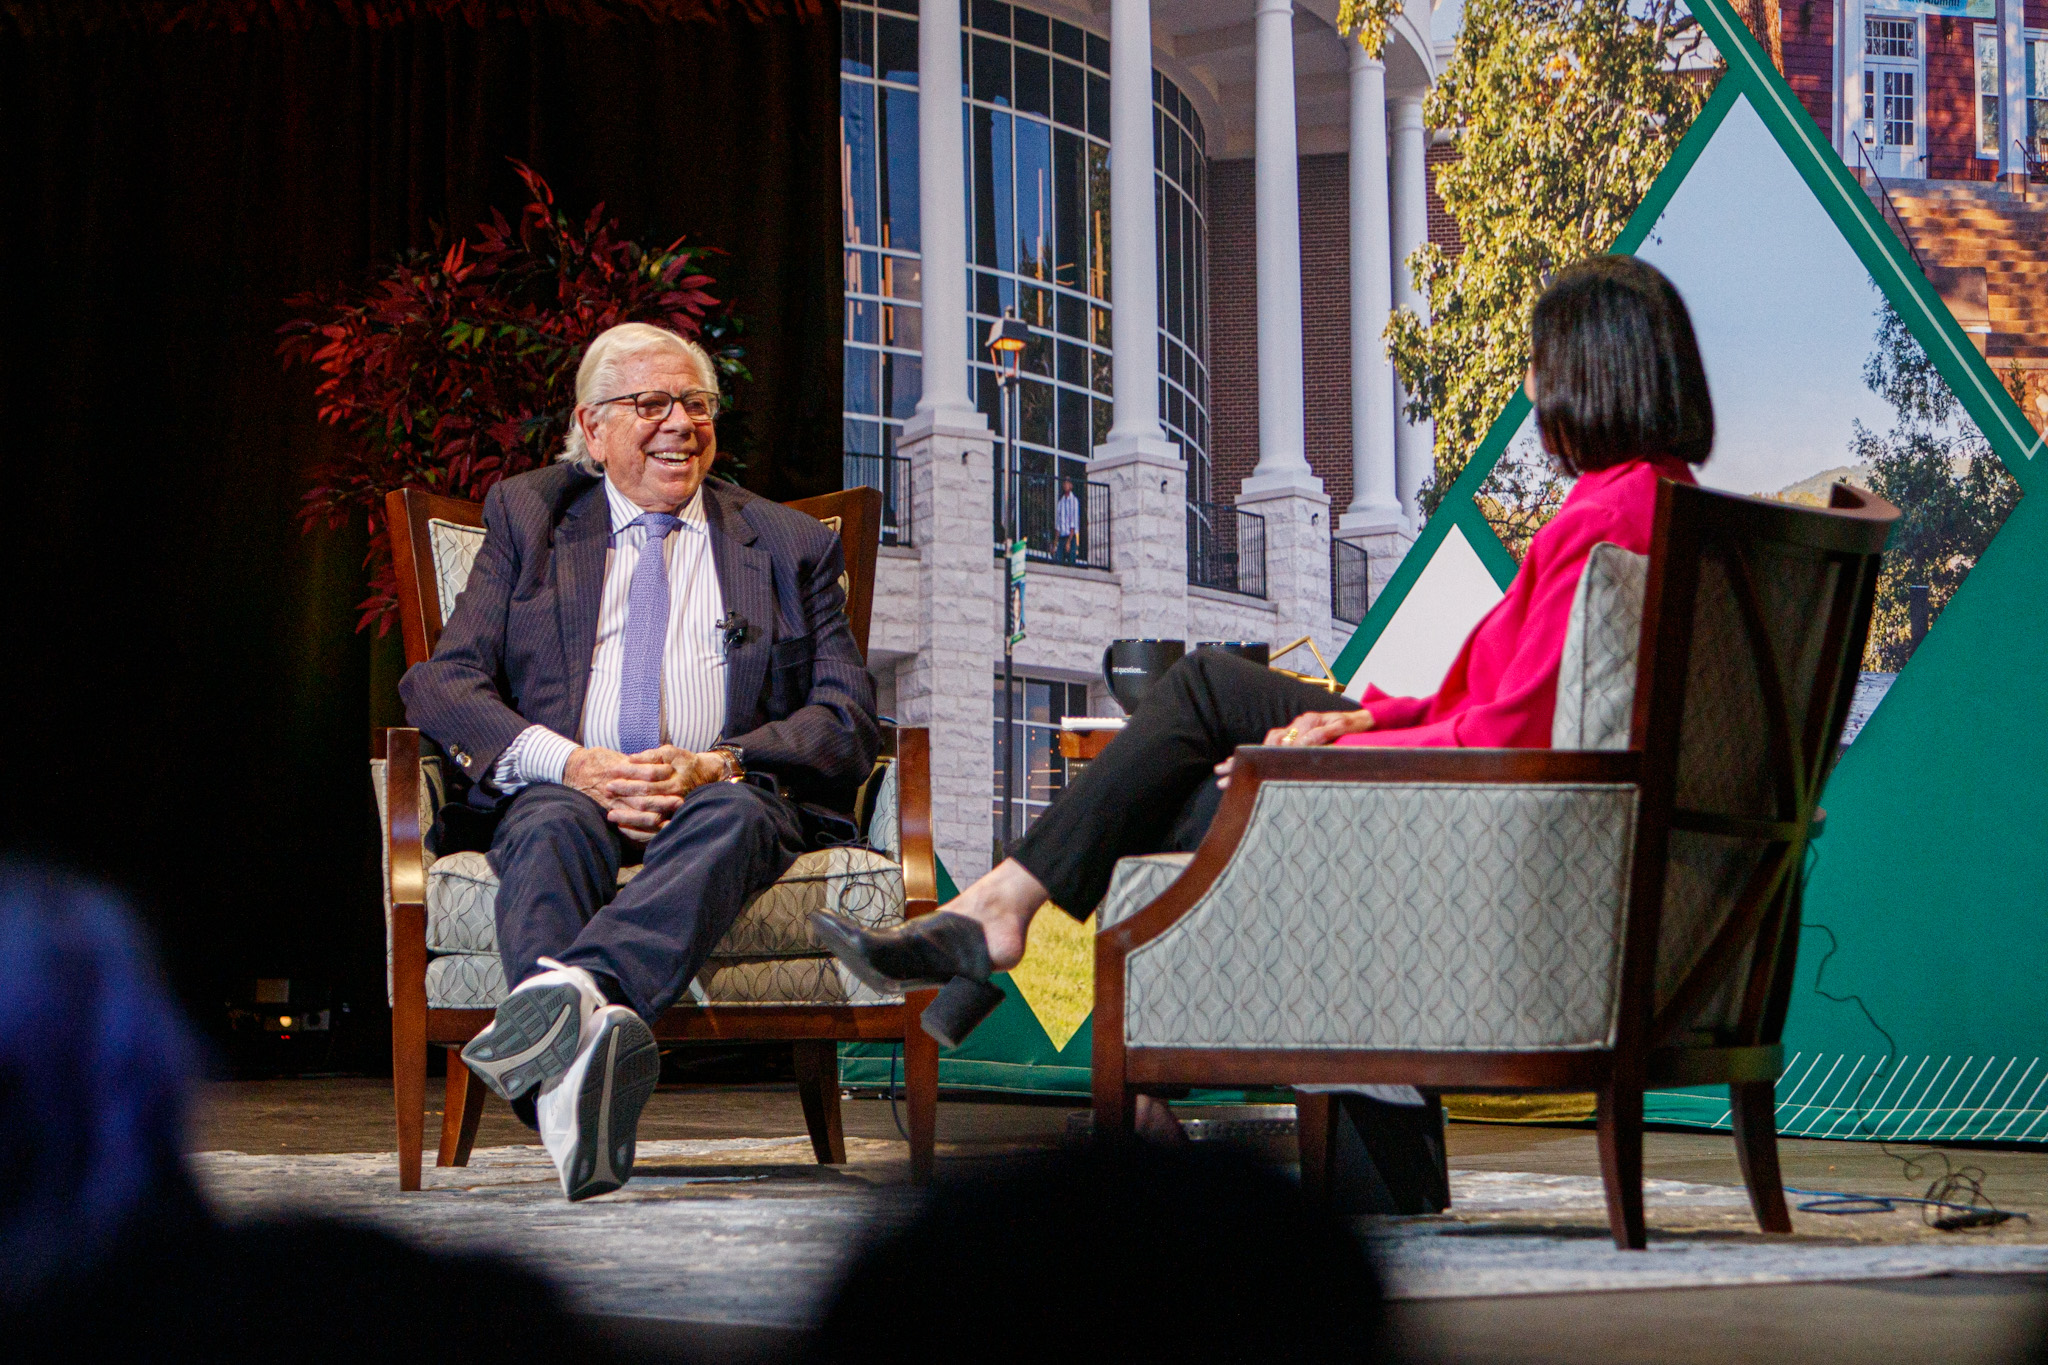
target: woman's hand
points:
(1311, 728)
(1308, 729)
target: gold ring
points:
(1291, 735)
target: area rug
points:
(748, 1230)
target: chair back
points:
(435, 539)
(1754, 623)
(1596, 676)
(434, 543)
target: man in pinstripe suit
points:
(644, 667)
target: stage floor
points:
(1480, 1286)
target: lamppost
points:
(1005, 342)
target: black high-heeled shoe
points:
(940, 949)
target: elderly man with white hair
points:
(646, 667)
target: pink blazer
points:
(1502, 687)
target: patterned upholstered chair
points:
(1617, 912)
(765, 980)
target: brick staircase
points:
(1964, 226)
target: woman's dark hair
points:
(1617, 369)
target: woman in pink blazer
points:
(1621, 402)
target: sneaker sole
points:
(622, 1075)
(532, 1041)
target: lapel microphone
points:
(734, 627)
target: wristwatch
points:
(735, 761)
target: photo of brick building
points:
(1239, 469)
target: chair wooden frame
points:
(813, 1030)
(1651, 1046)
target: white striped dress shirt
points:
(692, 658)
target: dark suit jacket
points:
(517, 648)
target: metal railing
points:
(1348, 565)
(1077, 535)
(1886, 208)
(2031, 160)
(889, 474)
(1226, 548)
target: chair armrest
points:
(1258, 764)
(1365, 763)
(404, 825)
(403, 836)
(914, 820)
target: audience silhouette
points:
(1111, 1254)
(107, 1249)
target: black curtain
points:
(189, 704)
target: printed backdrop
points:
(1831, 357)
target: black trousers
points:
(558, 860)
(1153, 789)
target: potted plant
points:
(450, 370)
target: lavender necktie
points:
(646, 633)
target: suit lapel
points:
(746, 581)
(580, 544)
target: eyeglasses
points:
(652, 405)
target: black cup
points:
(1130, 667)
(1253, 651)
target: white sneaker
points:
(536, 1031)
(589, 1116)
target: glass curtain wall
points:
(1036, 122)
(878, 214)
(1183, 189)
(1041, 774)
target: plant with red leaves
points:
(453, 370)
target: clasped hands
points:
(1306, 730)
(641, 792)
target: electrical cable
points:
(1967, 1181)
(895, 1050)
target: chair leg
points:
(921, 1088)
(409, 1041)
(1621, 1163)
(409, 1099)
(817, 1084)
(1755, 1105)
(461, 1109)
(1116, 1104)
(1315, 1117)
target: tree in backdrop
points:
(451, 370)
(1952, 490)
(1562, 112)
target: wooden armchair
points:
(1591, 917)
(766, 980)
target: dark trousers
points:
(558, 860)
(1153, 789)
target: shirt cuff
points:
(538, 754)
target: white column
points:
(1133, 227)
(1146, 476)
(2012, 72)
(1375, 499)
(958, 632)
(1282, 488)
(942, 214)
(945, 686)
(1413, 441)
(1283, 444)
